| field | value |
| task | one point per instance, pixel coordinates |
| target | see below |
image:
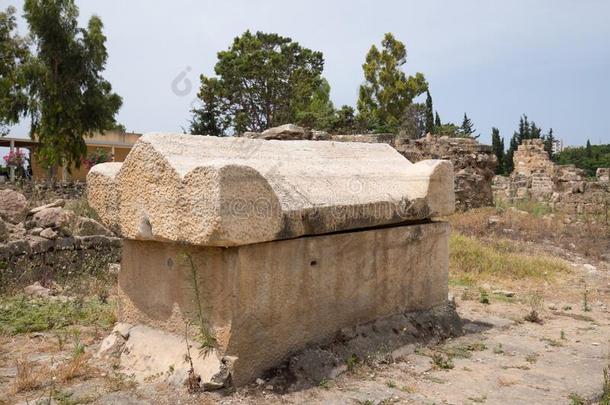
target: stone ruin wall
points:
(474, 164)
(565, 188)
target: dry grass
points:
(587, 237)
(76, 367)
(30, 376)
(472, 261)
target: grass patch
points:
(20, 314)
(472, 260)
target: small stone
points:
(48, 233)
(37, 290)
(35, 231)
(13, 206)
(87, 227)
(54, 217)
(589, 267)
(269, 387)
(508, 294)
(57, 203)
(260, 381)
(552, 307)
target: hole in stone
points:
(313, 262)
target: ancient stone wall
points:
(474, 164)
(564, 188)
(25, 261)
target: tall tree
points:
(345, 121)
(429, 114)
(387, 91)
(14, 55)
(467, 129)
(209, 118)
(437, 121)
(263, 80)
(588, 150)
(319, 112)
(549, 141)
(69, 98)
(497, 145)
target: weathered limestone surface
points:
(232, 191)
(266, 300)
(267, 246)
(474, 164)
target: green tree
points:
(264, 80)
(429, 114)
(497, 145)
(69, 98)
(467, 129)
(387, 91)
(589, 157)
(14, 55)
(437, 121)
(413, 124)
(345, 121)
(209, 119)
(319, 112)
(549, 140)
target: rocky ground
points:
(556, 357)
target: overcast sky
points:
(494, 60)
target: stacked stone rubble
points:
(564, 188)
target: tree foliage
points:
(589, 157)
(467, 129)
(68, 97)
(497, 145)
(429, 114)
(262, 80)
(387, 91)
(14, 56)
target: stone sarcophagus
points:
(247, 250)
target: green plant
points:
(576, 399)
(605, 399)
(532, 358)
(390, 384)
(562, 335)
(20, 314)
(443, 362)
(324, 383)
(352, 361)
(483, 297)
(204, 337)
(498, 349)
(585, 299)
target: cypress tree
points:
(497, 145)
(429, 114)
(437, 121)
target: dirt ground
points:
(501, 358)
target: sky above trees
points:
(493, 60)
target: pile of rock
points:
(45, 238)
(288, 132)
(564, 188)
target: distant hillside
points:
(588, 157)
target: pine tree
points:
(497, 145)
(588, 150)
(429, 114)
(387, 91)
(467, 129)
